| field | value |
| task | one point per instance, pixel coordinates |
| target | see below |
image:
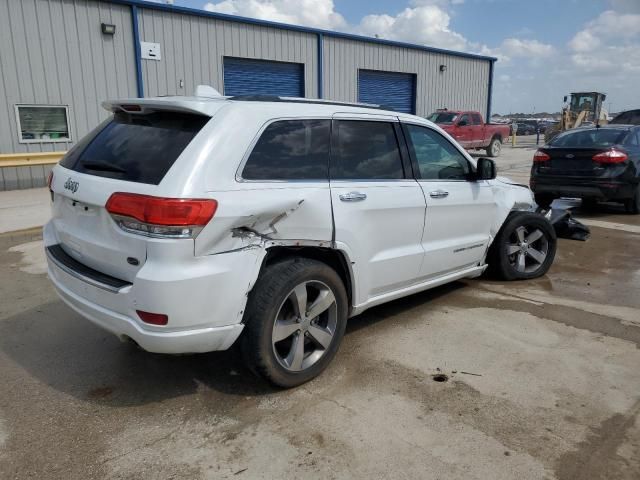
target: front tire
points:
(524, 248)
(494, 148)
(295, 320)
(632, 205)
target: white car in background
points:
(189, 223)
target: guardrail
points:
(29, 159)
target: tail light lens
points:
(160, 217)
(611, 156)
(153, 318)
(540, 156)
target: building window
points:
(43, 123)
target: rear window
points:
(291, 150)
(135, 148)
(591, 138)
(442, 117)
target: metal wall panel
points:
(193, 48)
(464, 84)
(54, 53)
(17, 178)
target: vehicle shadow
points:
(65, 352)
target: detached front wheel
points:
(524, 248)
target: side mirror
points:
(462, 123)
(486, 169)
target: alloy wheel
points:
(527, 249)
(304, 326)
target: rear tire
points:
(632, 205)
(494, 148)
(524, 247)
(544, 200)
(280, 344)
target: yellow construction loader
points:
(580, 108)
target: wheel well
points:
(498, 136)
(333, 258)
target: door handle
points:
(353, 197)
(438, 194)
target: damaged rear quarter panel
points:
(252, 213)
(268, 213)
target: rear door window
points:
(633, 139)
(366, 151)
(291, 150)
(135, 148)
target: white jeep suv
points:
(189, 223)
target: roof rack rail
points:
(319, 101)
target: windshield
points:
(592, 138)
(442, 117)
(582, 102)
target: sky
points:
(545, 48)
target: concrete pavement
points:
(22, 209)
(541, 382)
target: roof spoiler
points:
(143, 106)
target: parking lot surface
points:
(541, 381)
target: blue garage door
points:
(259, 77)
(390, 89)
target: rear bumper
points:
(566, 187)
(203, 297)
(181, 341)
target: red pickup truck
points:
(469, 129)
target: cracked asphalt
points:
(543, 382)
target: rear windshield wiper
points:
(103, 167)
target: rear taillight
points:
(611, 156)
(153, 318)
(160, 217)
(540, 156)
